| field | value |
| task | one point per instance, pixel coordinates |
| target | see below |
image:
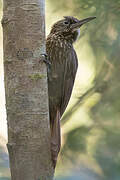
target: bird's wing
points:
(70, 70)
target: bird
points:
(62, 72)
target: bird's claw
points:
(45, 59)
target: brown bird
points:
(62, 72)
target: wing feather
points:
(69, 78)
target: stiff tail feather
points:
(55, 138)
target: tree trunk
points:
(26, 90)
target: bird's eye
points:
(66, 22)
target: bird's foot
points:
(45, 59)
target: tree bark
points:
(26, 90)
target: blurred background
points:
(91, 123)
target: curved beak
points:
(81, 22)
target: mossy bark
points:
(26, 90)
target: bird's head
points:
(69, 27)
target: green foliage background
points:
(91, 123)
